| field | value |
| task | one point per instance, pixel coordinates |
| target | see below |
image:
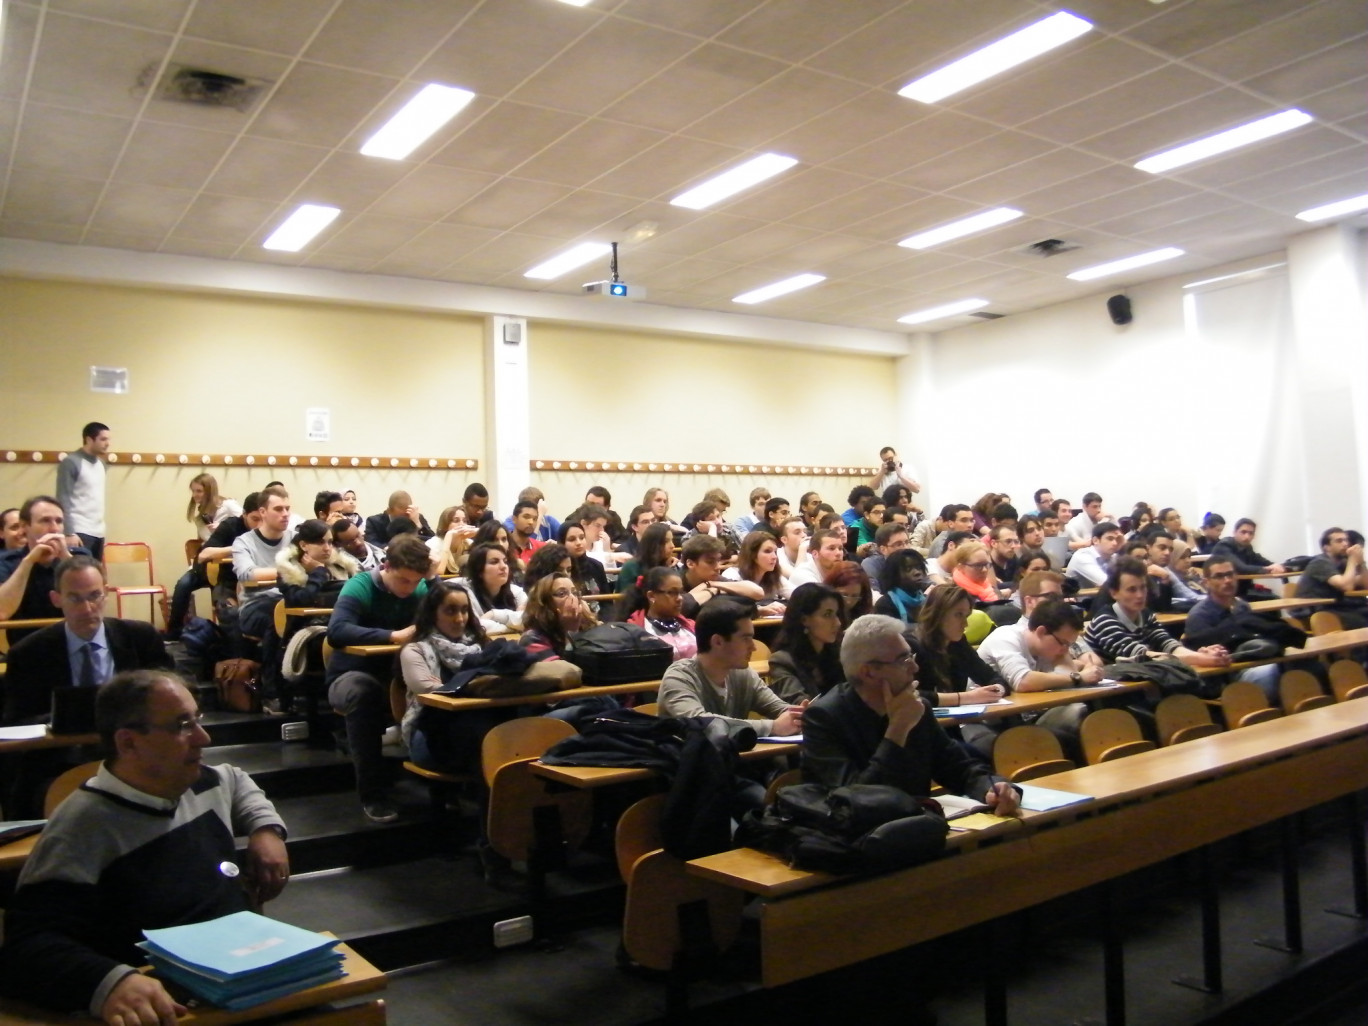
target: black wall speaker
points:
(1120, 309)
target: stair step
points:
(283, 769)
(234, 728)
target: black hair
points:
(474, 490)
(475, 567)
(1104, 528)
(793, 639)
(860, 492)
(897, 565)
(93, 429)
(598, 491)
(546, 560)
(1053, 613)
(1042, 491)
(721, 617)
(323, 500)
(425, 621)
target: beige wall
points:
(223, 374)
(215, 373)
(630, 397)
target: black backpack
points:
(619, 653)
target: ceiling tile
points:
(1296, 147)
(1311, 75)
(1124, 201)
(930, 212)
(848, 126)
(942, 132)
(793, 30)
(589, 152)
(265, 169)
(687, 272)
(506, 203)
(506, 136)
(141, 209)
(370, 235)
(227, 60)
(260, 24)
(1275, 42)
(698, 17)
(894, 49)
(1167, 215)
(799, 189)
(1106, 109)
(53, 139)
(1094, 185)
(431, 192)
(1182, 29)
(693, 87)
(1057, 81)
(1348, 100)
(579, 213)
(775, 107)
(16, 49)
(510, 252)
(1194, 119)
(387, 37)
(122, 240)
(161, 15)
(37, 231)
(816, 253)
(54, 199)
(1004, 149)
(350, 181)
(320, 105)
(762, 242)
(702, 233)
(428, 253)
(79, 61)
(501, 44)
(615, 56)
(1303, 196)
(853, 206)
(230, 219)
(1006, 187)
(668, 168)
(172, 156)
(192, 246)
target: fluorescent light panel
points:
(1117, 266)
(577, 256)
(779, 288)
(995, 58)
(1253, 272)
(935, 313)
(1329, 210)
(729, 183)
(297, 230)
(965, 226)
(1221, 142)
(432, 107)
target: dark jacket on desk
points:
(40, 662)
(377, 529)
(844, 743)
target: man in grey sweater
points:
(81, 487)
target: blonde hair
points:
(966, 551)
(212, 500)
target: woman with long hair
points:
(553, 613)
(207, 507)
(494, 599)
(662, 615)
(656, 549)
(446, 632)
(758, 563)
(806, 660)
(983, 510)
(851, 582)
(949, 671)
(587, 572)
(902, 585)
(310, 570)
(453, 538)
(551, 558)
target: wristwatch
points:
(1076, 678)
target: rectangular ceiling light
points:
(964, 226)
(1232, 139)
(300, 227)
(729, 183)
(429, 110)
(779, 288)
(1117, 266)
(995, 58)
(577, 256)
(935, 313)
(1349, 206)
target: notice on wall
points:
(109, 379)
(317, 424)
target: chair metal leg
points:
(1358, 858)
(1292, 924)
(1211, 982)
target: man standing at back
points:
(81, 487)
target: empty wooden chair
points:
(1112, 734)
(1348, 680)
(525, 814)
(648, 708)
(1300, 691)
(133, 553)
(668, 909)
(761, 653)
(62, 788)
(1024, 753)
(1244, 704)
(1180, 718)
(1289, 590)
(1325, 622)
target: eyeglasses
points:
(976, 566)
(1223, 575)
(90, 598)
(902, 660)
(183, 727)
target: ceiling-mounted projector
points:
(614, 289)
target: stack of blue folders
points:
(243, 959)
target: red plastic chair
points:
(128, 553)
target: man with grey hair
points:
(876, 729)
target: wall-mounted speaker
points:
(1120, 309)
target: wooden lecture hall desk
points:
(590, 777)
(1276, 605)
(1146, 808)
(458, 703)
(1321, 645)
(304, 1008)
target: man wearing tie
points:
(84, 650)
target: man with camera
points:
(891, 472)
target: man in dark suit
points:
(85, 649)
(400, 505)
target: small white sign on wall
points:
(317, 424)
(109, 379)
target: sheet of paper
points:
(24, 733)
(1042, 799)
